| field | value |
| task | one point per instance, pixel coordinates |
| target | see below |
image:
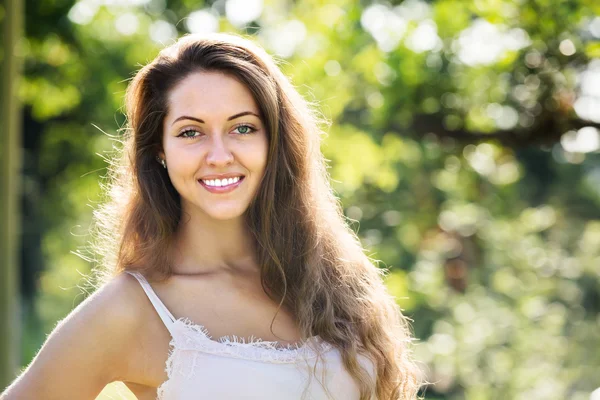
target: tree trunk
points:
(10, 151)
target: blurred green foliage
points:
(463, 144)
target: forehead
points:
(209, 94)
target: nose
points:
(219, 154)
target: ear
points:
(161, 154)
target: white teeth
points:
(221, 182)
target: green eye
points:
(243, 129)
(185, 135)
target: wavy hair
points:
(311, 261)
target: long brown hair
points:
(311, 261)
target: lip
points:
(222, 189)
(221, 176)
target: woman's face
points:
(215, 144)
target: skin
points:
(115, 334)
(214, 146)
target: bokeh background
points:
(464, 145)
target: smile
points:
(221, 185)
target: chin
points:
(224, 213)
(225, 216)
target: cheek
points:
(180, 167)
(179, 157)
(261, 152)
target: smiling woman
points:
(229, 269)
(213, 135)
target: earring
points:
(162, 161)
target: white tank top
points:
(200, 367)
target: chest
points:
(226, 307)
(222, 310)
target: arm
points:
(86, 351)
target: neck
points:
(204, 246)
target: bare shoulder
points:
(88, 349)
(121, 297)
(112, 308)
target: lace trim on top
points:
(169, 369)
(196, 337)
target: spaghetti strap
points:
(164, 313)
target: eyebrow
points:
(238, 115)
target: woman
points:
(224, 226)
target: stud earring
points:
(162, 161)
